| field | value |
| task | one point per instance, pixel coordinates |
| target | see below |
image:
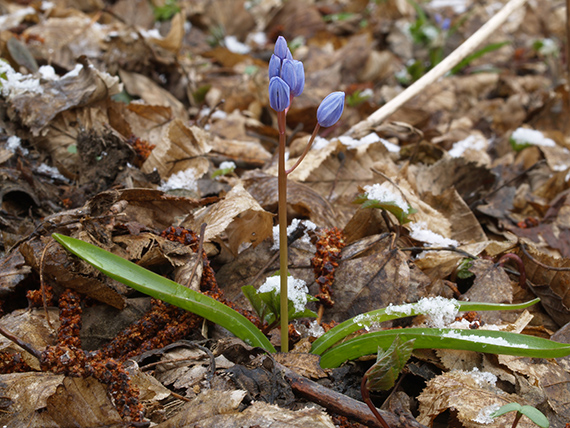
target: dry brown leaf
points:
(238, 218)
(466, 394)
(26, 396)
(304, 364)
(173, 40)
(32, 327)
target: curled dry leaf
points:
(238, 218)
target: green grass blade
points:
(488, 341)
(164, 289)
(342, 330)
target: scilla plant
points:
(287, 81)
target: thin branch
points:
(24, 345)
(440, 69)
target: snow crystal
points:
(420, 232)
(296, 290)
(309, 225)
(481, 377)
(384, 193)
(439, 310)
(532, 136)
(484, 415)
(227, 165)
(235, 46)
(315, 330)
(186, 180)
(14, 143)
(499, 341)
(472, 142)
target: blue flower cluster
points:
(287, 80)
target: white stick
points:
(440, 69)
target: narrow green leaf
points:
(488, 341)
(535, 415)
(164, 289)
(366, 320)
(510, 407)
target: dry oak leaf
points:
(237, 219)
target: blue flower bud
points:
(281, 49)
(293, 73)
(279, 94)
(331, 109)
(274, 66)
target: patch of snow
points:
(48, 73)
(75, 71)
(320, 143)
(532, 136)
(458, 6)
(16, 83)
(391, 147)
(499, 341)
(567, 176)
(258, 38)
(439, 310)
(296, 290)
(315, 330)
(16, 17)
(235, 46)
(484, 415)
(152, 33)
(482, 377)
(352, 143)
(52, 171)
(420, 232)
(227, 165)
(385, 193)
(47, 5)
(186, 180)
(472, 142)
(309, 226)
(14, 143)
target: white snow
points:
(420, 232)
(309, 226)
(296, 290)
(315, 330)
(458, 6)
(499, 341)
(472, 142)
(48, 73)
(235, 46)
(75, 71)
(386, 192)
(352, 143)
(320, 143)
(52, 171)
(186, 180)
(484, 415)
(532, 136)
(440, 311)
(391, 147)
(227, 165)
(16, 83)
(258, 38)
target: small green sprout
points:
(266, 300)
(225, 168)
(381, 196)
(522, 138)
(530, 412)
(463, 271)
(164, 13)
(358, 97)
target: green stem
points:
(307, 148)
(282, 212)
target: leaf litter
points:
(115, 118)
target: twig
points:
(440, 69)
(454, 249)
(342, 404)
(199, 253)
(24, 345)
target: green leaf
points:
(389, 206)
(535, 415)
(366, 320)
(488, 341)
(164, 289)
(510, 407)
(259, 306)
(489, 48)
(384, 372)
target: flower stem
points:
(282, 212)
(307, 148)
